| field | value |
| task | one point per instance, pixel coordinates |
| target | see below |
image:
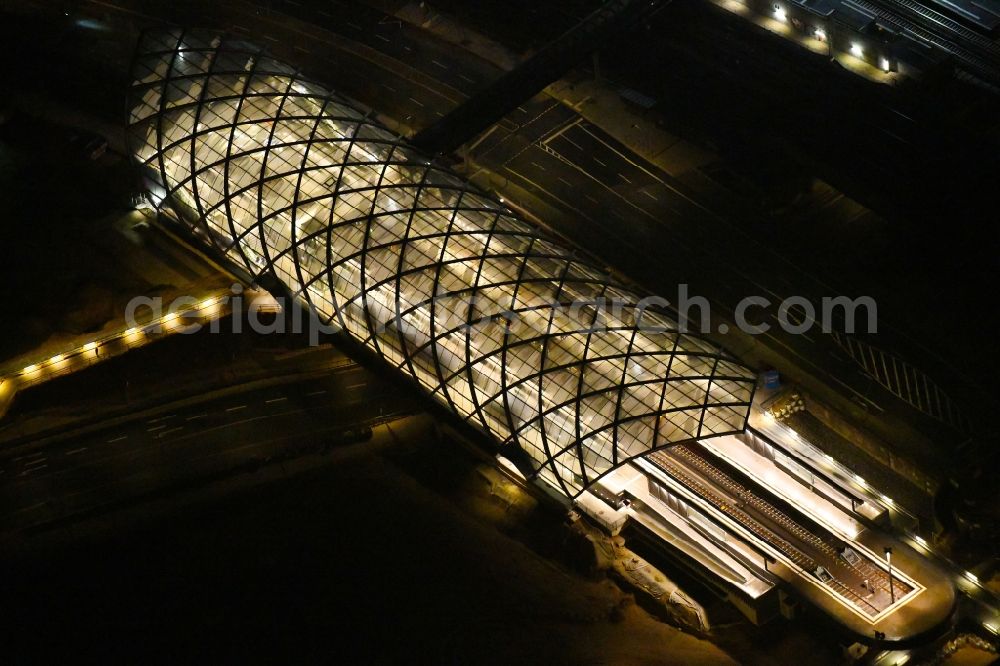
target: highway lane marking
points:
(76, 451)
(600, 162)
(650, 195)
(117, 439)
(33, 469)
(316, 393)
(299, 48)
(240, 27)
(155, 428)
(237, 408)
(536, 164)
(167, 432)
(471, 80)
(587, 196)
(161, 418)
(625, 178)
(417, 102)
(382, 37)
(386, 85)
(356, 26)
(352, 386)
(439, 64)
(270, 38)
(574, 143)
(29, 465)
(273, 400)
(407, 48)
(34, 454)
(199, 416)
(564, 180)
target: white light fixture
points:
(90, 346)
(856, 50)
(779, 13)
(820, 34)
(30, 369)
(56, 359)
(884, 63)
(972, 577)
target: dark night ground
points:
(354, 559)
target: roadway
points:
(639, 216)
(118, 462)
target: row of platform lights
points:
(857, 50)
(888, 501)
(129, 336)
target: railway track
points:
(682, 461)
(894, 12)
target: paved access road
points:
(72, 474)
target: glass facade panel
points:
(510, 329)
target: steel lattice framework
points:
(492, 317)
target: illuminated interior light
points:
(30, 369)
(919, 539)
(56, 359)
(856, 50)
(860, 480)
(779, 13)
(90, 346)
(820, 34)
(339, 259)
(888, 500)
(884, 63)
(971, 576)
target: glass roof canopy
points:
(496, 320)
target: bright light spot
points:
(919, 539)
(856, 50)
(971, 576)
(130, 332)
(90, 346)
(170, 317)
(992, 628)
(207, 303)
(56, 359)
(768, 416)
(779, 13)
(30, 369)
(888, 500)
(828, 457)
(860, 480)
(884, 63)
(820, 34)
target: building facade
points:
(490, 315)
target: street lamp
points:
(888, 559)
